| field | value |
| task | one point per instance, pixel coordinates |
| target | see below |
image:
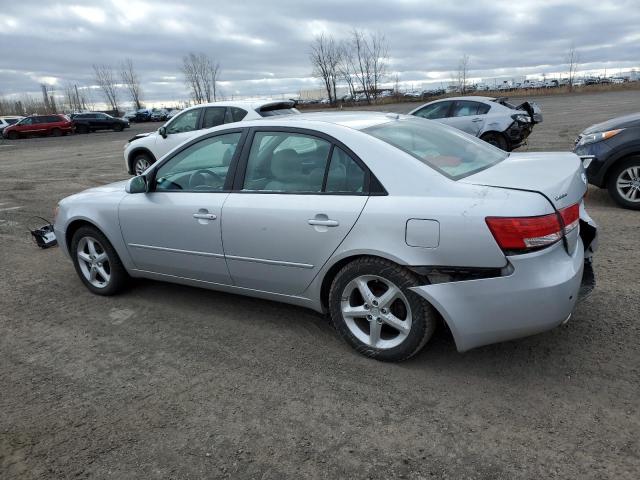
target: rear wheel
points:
(374, 310)
(97, 262)
(56, 132)
(82, 129)
(624, 183)
(140, 163)
(496, 139)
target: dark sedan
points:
(610, 152)
(91, 122)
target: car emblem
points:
(560, 197)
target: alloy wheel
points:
(628, 184)
(94, 262)
(141, 165)
(376, 311)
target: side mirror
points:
(137, 185)
(163, 132)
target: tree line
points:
(200, 71)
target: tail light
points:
(526, 233)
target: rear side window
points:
(464, 108)
(213, 116)
(237, 114)
(344, 174)
(449, 151)
(286, 162)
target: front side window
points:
(26, 121)
(186, 122)
(434, 111)
(213, 116)
(202, 167)
(449, 151)
(286, 162)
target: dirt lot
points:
(174, 382)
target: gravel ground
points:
(167, 381)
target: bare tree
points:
(346, 68)
(572, 60)
(201, 75)
(131, 82)
(463, 73)
(106, 80)
(325, 56)
(366, 58)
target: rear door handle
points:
(323, 223)
(204, 216)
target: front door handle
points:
(204, 216)
(477, 119)
(323, 223)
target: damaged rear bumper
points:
(539, 294)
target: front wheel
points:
(97, 262)
(141, 163)
(117, 127)
(374, 310)
(56, 132)
(12, 135)
(624, 183)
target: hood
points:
(103, 190)
(141, 135)
(559, 176)
(626, 121)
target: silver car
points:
(493, 120)
(389, 223)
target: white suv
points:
(145, 149)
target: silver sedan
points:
(389, 223)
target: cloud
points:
(263, 46)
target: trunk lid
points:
(559, 176)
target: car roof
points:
(251, 104)
(357, 120)
(470, 97)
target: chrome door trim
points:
(176, 250)
(269, 262)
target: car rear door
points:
(468, 116)
(296, 197)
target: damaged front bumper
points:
(539, 292)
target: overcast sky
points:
(263, 46)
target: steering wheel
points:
(198, 180)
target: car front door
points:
(174, 229)
(295, 199)
(181, 128)
(468, 116)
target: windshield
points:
(449, 151)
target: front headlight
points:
(589, 138)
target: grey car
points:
(389, 223)
(494, 120)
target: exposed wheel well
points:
(333, 271)
(73, 228)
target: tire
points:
(56, 132)
(13, 135)
(140, 163)
(110, 275)
(627, 173)
(417, 317)
(117, 127)
(496, 139)
(82, 129)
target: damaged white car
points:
(493, 120)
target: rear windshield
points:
(449, 151)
